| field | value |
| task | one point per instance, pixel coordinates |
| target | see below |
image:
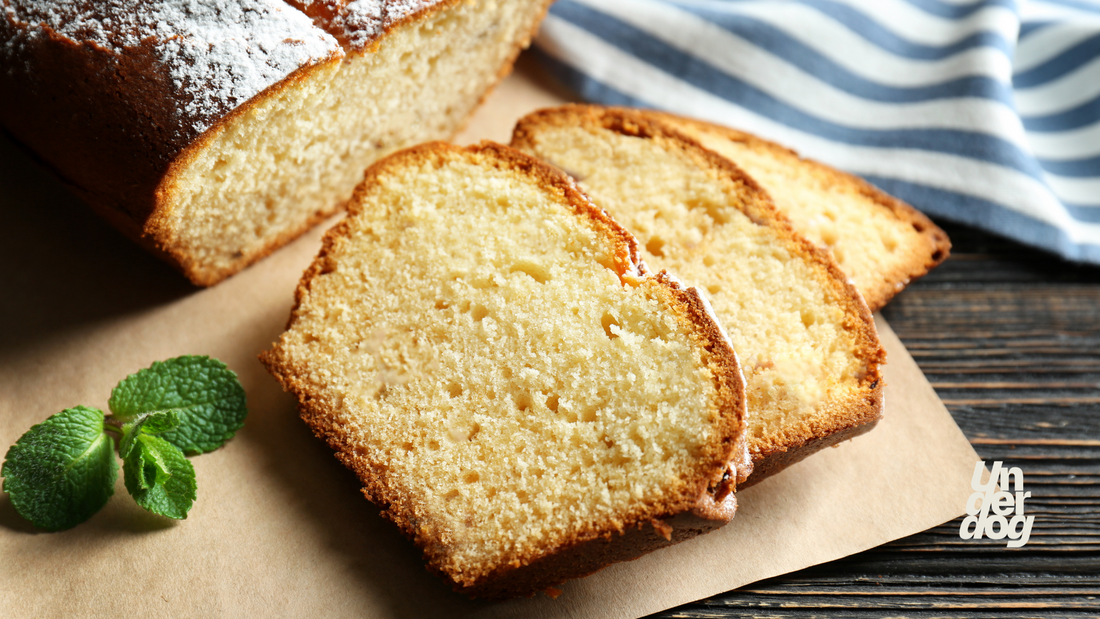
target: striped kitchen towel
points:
(985, 112)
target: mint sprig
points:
(204, 393)
(62, 471)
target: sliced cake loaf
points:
(216, 131)
(881, 242)
(483, 348)
(807, 341)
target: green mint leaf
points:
(63, 470)
(150, 423)
(203, 392)
(159, 477)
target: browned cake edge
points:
(662, 524)
(924, 259)
(848, 416)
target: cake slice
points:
(484, 349)
(879, 241)
(808, 344)
(215, 131)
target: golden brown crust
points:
(922, 260)
(708, 502)
(863, 406)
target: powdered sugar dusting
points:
(358, 23)
(217, 53)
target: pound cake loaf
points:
(214, 131)
(808, 344)
(879, 241)
(483, 347)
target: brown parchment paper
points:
(279, 527)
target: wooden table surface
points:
(1010, 339)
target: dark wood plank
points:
(1010, 339)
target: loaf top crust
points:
(359, 24)
(519, 390)
(182, 64)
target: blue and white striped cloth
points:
(985, 112)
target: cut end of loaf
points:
(479, 344)
(292, 156)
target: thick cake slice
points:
(807, 341)
(214, 131)
(483, 348)
(881, 242)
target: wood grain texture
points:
(1010, 339)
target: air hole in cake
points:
(471, 478)
(523, 401)
(453, 494)
(552, 403)
(589, 414)
(407, 446)
(655, 246)
(606, 261)
(479, 312)
(461, 433)
(454, 390)
(521, 495)
(918, 226)
(535, 271)
(482, 283)
(808, 318)
(715, 211)
(441, 305)
(714, 289)
(607, 321)
(828, 236)
(380, 392)
(891, 243)
(708, 260)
